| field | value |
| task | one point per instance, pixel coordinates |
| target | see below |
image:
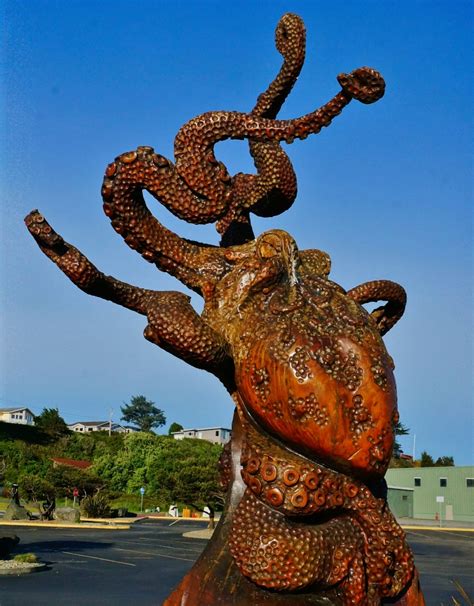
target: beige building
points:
(19, 415)
(216, 435)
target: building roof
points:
(15, 409)
(71, 462)
(89, 423)
(201, 429)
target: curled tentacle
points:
(194, 143)
(277, 554)
(364, 84)
(290, 489)
(199, 189)
(273, 189)
(192, 263)
(382, 290)
(290, 40)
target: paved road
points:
(140, 566)
(442, 557)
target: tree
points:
(444, 462)
(52, 423)
(399, 430)
(36, 488)
(65, 479)
(142, 413)
(426, 460)
(174, 427)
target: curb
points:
(20, 571)
(437, 528)
(79, 526)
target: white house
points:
(86, 426)
(20, 415)
(216, 435)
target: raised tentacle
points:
(387, 315)
(192, 263)
(173, 324)
(290, 40)
(276, 179)
(273, 189)
(194, 142)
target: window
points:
(217, 433)
(417, 481)
(469, 482)
(404, 497)
(443, 482)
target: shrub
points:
(95, 506)
(28, 558)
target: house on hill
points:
(216, 435)
(86, 426)
(20, 415)
(62, 462)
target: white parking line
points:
(81, 555)
(186, 548)
(155, 554)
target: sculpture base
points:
(215, 579)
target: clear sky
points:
(385, 189)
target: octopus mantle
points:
(312, 369)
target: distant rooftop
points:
(89, 423)
(201, 429)
(14, 408)
(71, 462)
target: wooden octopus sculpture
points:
(306, 519)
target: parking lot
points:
(143, 564)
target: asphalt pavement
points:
(142, 565)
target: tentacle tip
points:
(31, 216)
(364, 84)
(41, 231)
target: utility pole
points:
(414, 442)
(111, 410)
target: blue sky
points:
(385, 190)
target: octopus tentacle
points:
(194, 142)
(199, 189)
(276, 553)
(273, 189)
(80, 270)
(290, 40)
(300, 489)
(382, 290)
(192, 263)
(174, 325)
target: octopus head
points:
(260, 265)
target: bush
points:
(95, 506)
(28, 558)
